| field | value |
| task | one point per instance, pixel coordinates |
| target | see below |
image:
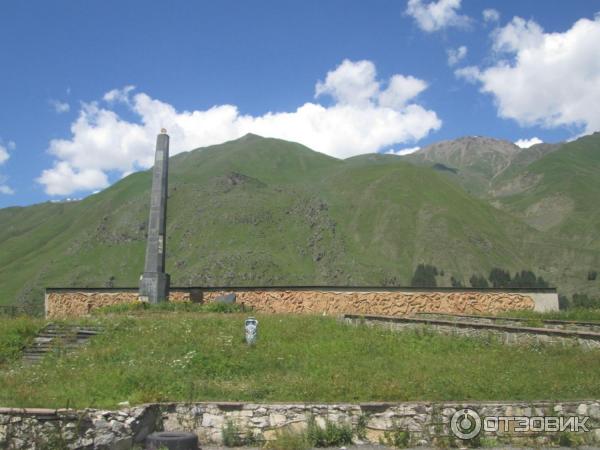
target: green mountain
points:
(561, 194)
(259, 211)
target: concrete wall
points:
(545, 301)
(61, 303)
(424, 423)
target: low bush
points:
(332, 435)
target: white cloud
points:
(60, 107)
(456, 55)
(490, 15)
(3, 154)
(118, 95)
(400, 90)
(468, 73)
(62, 179)
(367, 115)
(526, 143)
(403, 151)
(545, 79)
(352, 83)
(435, 16)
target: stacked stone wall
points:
(422, 423)
(73, 303)
(390, 303)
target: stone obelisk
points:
(154, 282)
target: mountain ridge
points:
(266, 211)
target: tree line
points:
(425, 276)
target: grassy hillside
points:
(261, 211)
(564, 197)
(187, 356)
(264, 211)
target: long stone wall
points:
(391, 303)
(62, 303)
(419, 423)
(507, 334)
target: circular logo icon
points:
(465, 424)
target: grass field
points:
(576, 314)
(159, 355)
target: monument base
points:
(154, 287)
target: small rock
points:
(227, 299)
(104, 439)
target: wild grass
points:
(576, 314)
(191, 356)
(329, 435)
(147, 308)
(15, 333)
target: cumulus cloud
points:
(490, 15)
(526, 143)
(60, 107)
(118, 95)
(62, 179)
(4, 156)
(403, 151)
(4, 189)
(366, 115)
(435, 16)
(544, 79)
(456, 55)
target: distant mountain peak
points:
(250, 136)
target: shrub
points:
(592, 275)
(138, 307)
(570, 440)
(499, 278)
(424, 276)
(479, 281)
(333, 435)
(583, 301)
(397, 438)
(231, 434)
(563, 302)
(455, 282)
(527, 279)
(288, 440)
(217, 307)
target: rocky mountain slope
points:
(479, 164)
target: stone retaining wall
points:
(60, 303)
(569, 325)
(507, 334)
(423, 423)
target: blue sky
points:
(344, 77)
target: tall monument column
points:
(154, 282)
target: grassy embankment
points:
(162, 355)
(576, 314)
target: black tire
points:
(173, 440)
